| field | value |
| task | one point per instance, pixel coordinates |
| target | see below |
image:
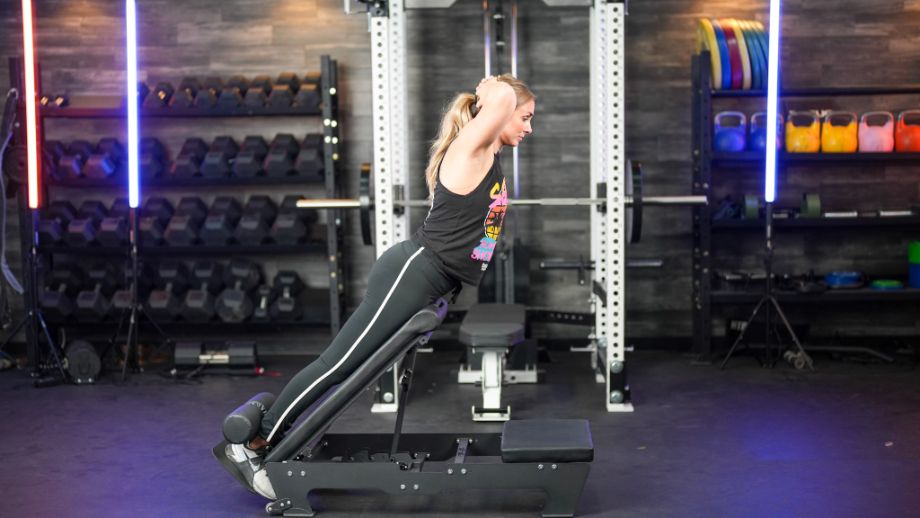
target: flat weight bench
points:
(493, 334)
(553, 455)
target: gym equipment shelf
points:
(908, 89)
(229, 181)
(747, 158)
(113, 107)
(738, 224)
(195, 250)
(705, 160)
(841, 295)
(329, 248)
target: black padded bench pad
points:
(547, 440)
(493, 325)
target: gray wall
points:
(839, 42)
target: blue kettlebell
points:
(730, 132)
(758, 137)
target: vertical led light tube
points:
(772, 93)
(30, 99)
(132, 101)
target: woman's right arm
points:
(496, 104)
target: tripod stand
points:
(28, 225)
(768, 303)
(136, 309)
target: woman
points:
(453, 246)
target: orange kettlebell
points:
(839, 132)
(876, 132)
(907, 132)
(803, 132)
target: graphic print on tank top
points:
(492, 224)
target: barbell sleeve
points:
(350, 203)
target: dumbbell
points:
(207, 277)
(113, 231)
(281, 155)
(257, 93)
(154, 219)
(234, 304)
(222, 219)
(122, 298)
(142, 92)
(256, 222)
(94, 303)
(249, 160)
(283, 91)
(160, 96)
(54, 150)
(292, 226)
(105, 159)
(164, 303)
(184, 97)
(206, 97)
(152, 157)
(82, 230)
(188, 162)
(309, 96)
(231, 97)
(287, 286)
(221, 153)
(264, 296)
(58, 215)
(185, 224)
(57, 299)
(310, 158)
(71, 163)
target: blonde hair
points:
(458, 114)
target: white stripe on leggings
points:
(350, 349)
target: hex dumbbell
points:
(217, 161)
(234, 303)
(95, 303)
(185, 224)
(57, 300)
(82, 230)
(220, 224)
(154, 219)
(165, 302)
(256, 223)
(286, 306)
(207, 278)
(53, 225)
(249, 161)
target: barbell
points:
(633, 200)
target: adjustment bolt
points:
(402, 487)
(540, 467)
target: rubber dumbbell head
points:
(185, 225)
(220, 224)
(219, 157)
(152, 157)
(164, 303)
(207, 280)
(255, 225)
(188, 162)
(160, 96)
(249, 161)
(281, 155)
(53, 225)
(154, 218)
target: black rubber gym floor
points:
(841, 442)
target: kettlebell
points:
(839, 132)
(907, 132)
(876, 132)
(803, 132)
(730, 129)
(757, 141)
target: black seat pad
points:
(493, 325)
(547, 440)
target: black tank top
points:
(464, 229)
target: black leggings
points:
(405, 279)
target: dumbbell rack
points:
(113, 108)
(706, 160)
